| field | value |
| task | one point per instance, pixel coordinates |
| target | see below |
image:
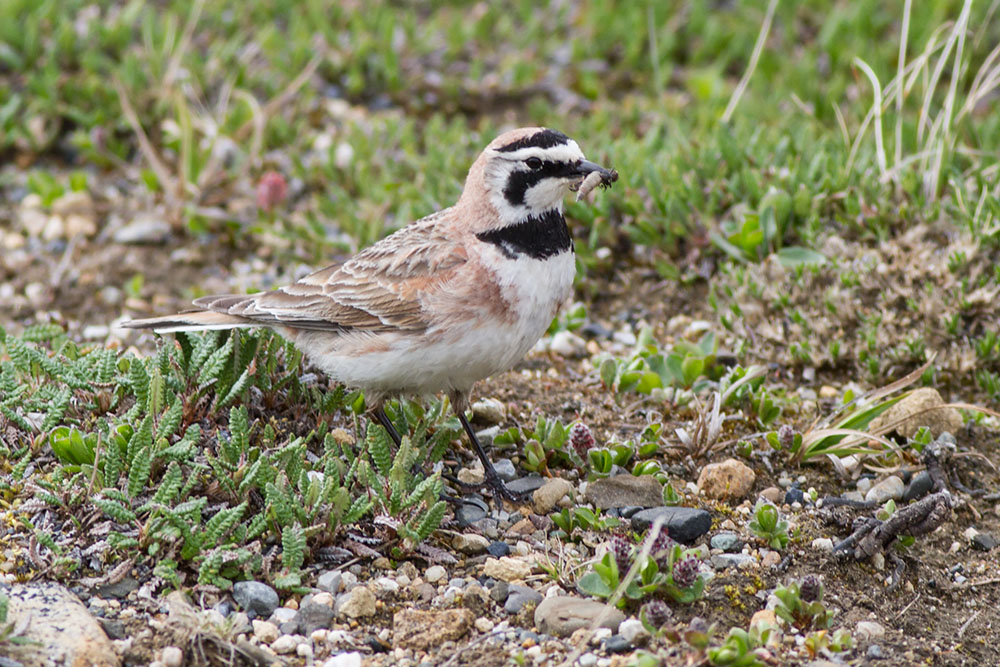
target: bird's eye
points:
(534, 163)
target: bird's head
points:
(528, 171)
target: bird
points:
(445, 301)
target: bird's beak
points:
(586, 167)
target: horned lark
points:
(442, 303)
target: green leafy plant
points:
(668, 569)
(571, 518)
(800, 604)
(768, 525)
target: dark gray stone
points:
(520, 596)
(313, 616)
(625, 491)
(617, 644)
(500, 591)
(728, 542)
(498, 549)
(984, 542)
(527, 484)
(256, 597)
(918, 487)
(794, 495)
(684, 524)
(472, 510)
(505, 468)
(288, 628)
(119, 589)
(113, 629)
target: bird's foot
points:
(494, 485)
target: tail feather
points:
(199, 320)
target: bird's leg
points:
(387, 424)
(491, 478)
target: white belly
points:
(455, 358)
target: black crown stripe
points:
(541, 139)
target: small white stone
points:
(484, 624)
(352, 659)
(304, 651)
(587, 660)
(335, 637)
(567, 344)
(633, 631)
(600, 634)
(171, 656)
(534, 652)
(319, 635)
(823, 544)
(265, 631)
(868, 631)
(284, 644)
(348, 580)
(282, 615)
(385, 586)
(434, 574)
(969, 533)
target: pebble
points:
(724, 561)
(256, 597)
(434, 574)
(568, 344)
(505, 468)
(684, 524)
(546, 497)
(633, 631)
(489, 411)
(472, 510)
(823, 544)
(386, 586)
(304, 651)
(587, 660)
(484, 624)
(314, 615)
(864, 485)
(265, 631)
(470, 543)
(876, 652)
(519, 596)
(352, 659)
(284, 644)
(143, 229)
(171, 656)
(920, 485)
(773, 495)
(985, 542)
(728, 542)
(867, 631)
(527, 484)
(506, 568)
(770, 559)
(794, 495)
(283, 615)
(357, 603)
(617, 644)
(625, 491)
(889, 488)
(498, 549)
(561, 616)
(730, 479)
